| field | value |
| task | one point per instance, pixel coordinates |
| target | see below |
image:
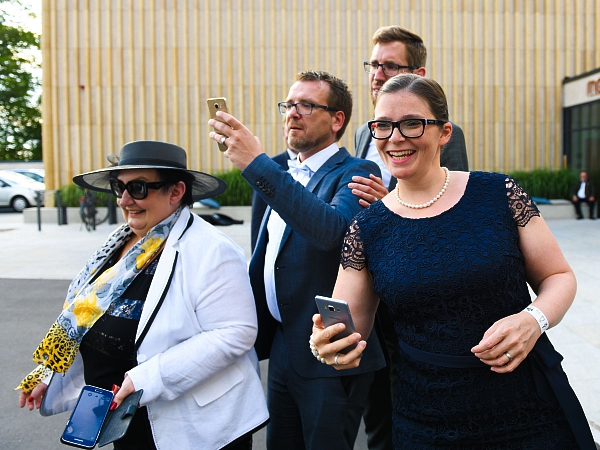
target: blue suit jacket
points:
(317, 217)
(453, 156)
(259, 206)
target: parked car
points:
(35, 174)
(18, 191)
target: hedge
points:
(238, 193)
(71, 193)
(553, 184)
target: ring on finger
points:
(510, 358)
(223, 140)
(335, 360)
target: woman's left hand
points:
(508, 342)
(126, 388)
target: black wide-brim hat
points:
(152, 155)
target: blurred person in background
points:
(584, 191)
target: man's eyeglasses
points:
(409, 128)
(303, 108)
(389, 69)
(138, 189)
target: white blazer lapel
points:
(164, 269)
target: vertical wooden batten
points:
(121, 70)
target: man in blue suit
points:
(398, 50)
(297, 257)
(395, 50)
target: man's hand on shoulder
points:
(368, 190)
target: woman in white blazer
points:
(180, 288)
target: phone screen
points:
(86, 421)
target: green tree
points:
(20, 115)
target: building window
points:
(582, 138)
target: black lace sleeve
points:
(352, 250)
(520, 203)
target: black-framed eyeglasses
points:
(389, 69)
(302, 108)
(138, 189)
(409, 128)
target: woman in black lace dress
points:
(451, 254)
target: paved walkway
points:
(59, 252)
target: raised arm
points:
(331, 211)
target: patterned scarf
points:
(86, 302)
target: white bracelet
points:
(539, 316)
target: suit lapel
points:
(327, 167)
(365, 149)
(261, 241)
(363, 142)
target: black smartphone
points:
(214, 105)
(85, 423)
(335, 311)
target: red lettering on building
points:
(593, 88)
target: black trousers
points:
(591, 204)
(312, 413)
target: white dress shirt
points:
(373, 155)
(302, 173)
(581, 191)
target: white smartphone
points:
(214, 105)
(336, 311)
(85, 423)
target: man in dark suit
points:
(259, 206)
(297, 257)
(395, 50)
(584, 191)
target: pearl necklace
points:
(430, 202)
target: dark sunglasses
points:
(138, 189)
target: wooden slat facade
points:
(120, 70)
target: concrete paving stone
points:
(563, 335)
(590, 333)
(583, 312)
(581, 361)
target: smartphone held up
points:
(214, 105)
